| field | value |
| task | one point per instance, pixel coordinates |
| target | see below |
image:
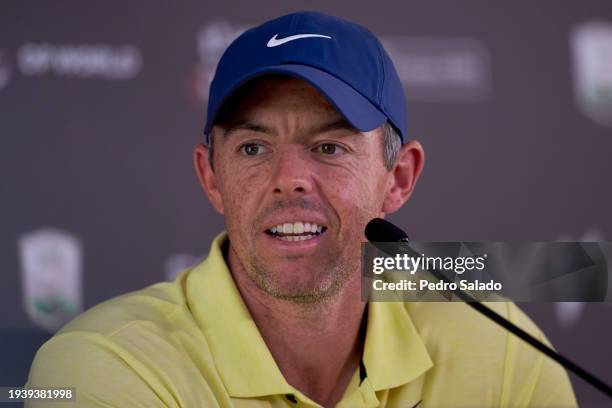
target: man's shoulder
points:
(139, 343)
(461, 340)
(453, 327)
(156, 304)
(453, 318)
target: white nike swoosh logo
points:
(275, 42)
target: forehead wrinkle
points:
(338, 124)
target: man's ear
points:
(404, 176)
(207, 177)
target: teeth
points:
(293, 238)
(298, 227)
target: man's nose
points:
(293, 172)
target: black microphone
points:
(379, 230)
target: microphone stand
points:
(528, 338)
(508, 325)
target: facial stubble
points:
(323, 283)
(326, 272)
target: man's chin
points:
(303, 295)
(299, 283)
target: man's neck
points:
(317, 347)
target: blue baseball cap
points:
(341, 59)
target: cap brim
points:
(355, 108)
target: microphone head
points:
(379, 230)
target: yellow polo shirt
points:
(192, 343)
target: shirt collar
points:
(394, 353)
(240, 354)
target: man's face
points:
(297, 185)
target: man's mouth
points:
(296, 231)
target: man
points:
(307, 142)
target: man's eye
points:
(252, 149)
(329, 148)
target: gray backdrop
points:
(101, 146)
